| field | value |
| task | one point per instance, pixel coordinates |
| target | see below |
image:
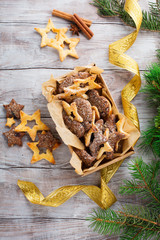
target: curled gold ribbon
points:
(102, 196)
(118, 58)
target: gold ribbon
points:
(102, 196)
(118, 58)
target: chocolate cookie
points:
(14, 138)
(74, 126)
(86, 158)
(98, 140)
(46, 140)
(110, 123)
(114, 139)
(68, 81)
(100, 102)
(85, 111)
(13, 109)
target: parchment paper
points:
(55, 109)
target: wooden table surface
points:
(24, 66)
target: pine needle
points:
(133, 221)
(151, 19)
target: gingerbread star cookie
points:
(13, 109)
(13, 137)
(46, 140)
(31, 131)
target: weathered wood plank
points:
(28, 11)
(15, 205)
(40, 229)
(20, 47)
(25, 87)
(21, 156)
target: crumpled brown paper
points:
(55, 109)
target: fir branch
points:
(152, 87)
(151, 19)
(157, 119)
(133, 223)
(144, 182)
(150, 140)
(151, 136)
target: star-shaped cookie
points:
(37, 156)
(45, 41)
(13, 109)
(13, 137)
(46, 140)
(31, 131)
(72, 43)
(10, 122)
(59, 41)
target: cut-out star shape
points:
(13, 109)
(72, 43)
(59, 41)
(13, 137)
(45, 41)
(31, 131)
(36, 153)
(10, 122)
(46, 140)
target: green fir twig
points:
(132, 221)
(144, 182)
(150, 139)
(151, 19)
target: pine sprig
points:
(151, 19)
(157, 119)
(152, 87)
(130, 222)
(144, 182)
(150, 139)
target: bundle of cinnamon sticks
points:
(82, 23)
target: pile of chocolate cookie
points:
(88, 114)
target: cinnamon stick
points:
(85, 29)
(69, 17)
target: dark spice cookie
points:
(98, 140)
(46, 140)
(86, 158)
(85, 111)
(14, 138)
(13, 109)
(74, 126)
(100, 102)
(110, 124)
(68, 81)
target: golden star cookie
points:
(31, 131)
